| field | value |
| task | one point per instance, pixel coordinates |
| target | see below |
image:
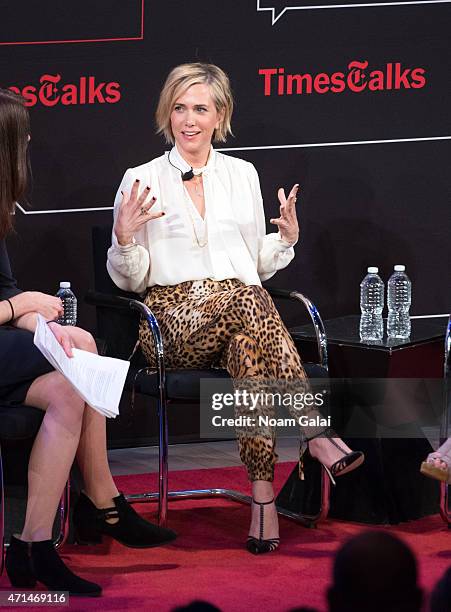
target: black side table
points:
(421, 356)
(388, 488)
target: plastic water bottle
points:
(399, 298)
(69, 300)
(371, 306)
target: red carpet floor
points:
(208, 560)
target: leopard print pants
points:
(226, 323)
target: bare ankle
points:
(102, 500)
(262, 491)
(36, 535)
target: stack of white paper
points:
(99, 380)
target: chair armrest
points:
(279, 293)
(106, 300)
(447, 375)
(320, 332)
(95, 298)
(447, 365)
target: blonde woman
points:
(190, 234)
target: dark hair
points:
(14, 132)
(197, 606)
(375, 571)
(441, 594)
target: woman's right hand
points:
(133, 213)
(49, 306)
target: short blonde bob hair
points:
(179, 80)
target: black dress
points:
(20, 361)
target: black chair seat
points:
(181, 385)
(314, 370)
(19, 422)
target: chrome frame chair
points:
(63, 507)
(445, 509)
(163, 494)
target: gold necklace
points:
(197, 184)
(200, 242)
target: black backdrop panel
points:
(52, 21)
(351, 103)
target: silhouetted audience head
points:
(441, 595)
(374, 571)
(197, 606)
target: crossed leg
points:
(242, 329)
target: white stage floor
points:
(203, 455)
(190, 456)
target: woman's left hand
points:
(63, 335)
(287, 222)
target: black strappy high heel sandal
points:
(257, 546)
(349, 461)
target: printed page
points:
(99, 380)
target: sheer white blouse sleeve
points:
(274, 253)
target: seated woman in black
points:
(70, 428)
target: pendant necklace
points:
(200, 241)
(197, 187)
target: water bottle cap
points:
(64, 285)
(373, 270)
(400, 268)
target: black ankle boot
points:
(131, 529)
(31, 562)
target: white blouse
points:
(181, 246)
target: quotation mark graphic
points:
(278, 8)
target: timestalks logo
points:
(357, 79)
(51, 91)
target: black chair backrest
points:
(118, 328)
